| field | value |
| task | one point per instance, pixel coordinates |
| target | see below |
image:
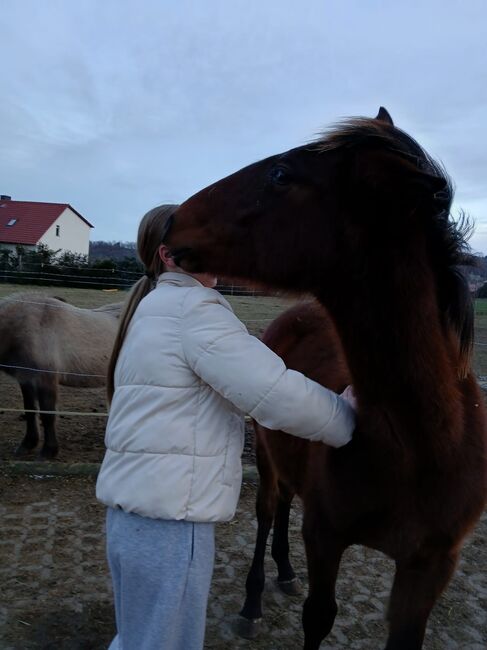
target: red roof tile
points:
(32, 219)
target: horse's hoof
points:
(48, 454)
(23, 451)
(290, 587)
(248, 628)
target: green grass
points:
(256, 312)
(480, 348)
(88, 298)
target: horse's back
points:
(23, 317)
(39, 331)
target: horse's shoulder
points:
(301, 321)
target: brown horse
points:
(45, 342)
(360, 218)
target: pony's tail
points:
(140, 289)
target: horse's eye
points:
(280, 176)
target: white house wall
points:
(74, 234)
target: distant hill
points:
(481, 267)
(111, 250)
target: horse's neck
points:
(399, 355)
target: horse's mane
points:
(447, 237)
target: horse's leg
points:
(47, 402)
(418, 583)
(31, 437)
(323, 553)
(286, 578)
(251, 613)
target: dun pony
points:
(45, 342)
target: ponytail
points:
(150, 236)
(140, 290)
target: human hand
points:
(349, 395)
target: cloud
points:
(115, 107)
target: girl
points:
(183, 372)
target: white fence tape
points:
(53, 372)
(84, 414)
(69, 413)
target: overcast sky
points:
(116, 106)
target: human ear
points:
(164, 253)
(166, 257)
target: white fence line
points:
(83, 413)
(70, 413)
(79, 281)
(41, 274)
(81, 374)
(113, 281)
(88, 268)
(52, 372)
(61, 305)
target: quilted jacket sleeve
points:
(245, 371)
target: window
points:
(58, 228)
(12, 222)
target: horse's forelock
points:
(352, 132)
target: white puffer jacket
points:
(187, 372)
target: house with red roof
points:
(30, 223)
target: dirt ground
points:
(80, 438)
(55, 589)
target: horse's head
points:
(296, 218)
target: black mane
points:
(448, 238)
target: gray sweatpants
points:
(161, 573)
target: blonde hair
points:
(152, 230)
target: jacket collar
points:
(178, 280)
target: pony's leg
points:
(323, 553)
(418, 583)
(47, 402)
(286, 578)
(31, 437)
(251, 613)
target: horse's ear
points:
(383, 116)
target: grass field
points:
(256, 312)
(480, 350)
